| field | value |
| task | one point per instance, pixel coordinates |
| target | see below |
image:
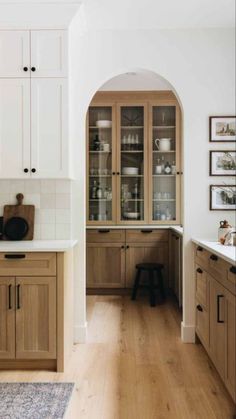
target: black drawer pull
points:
(18, 296)
(199, 270)
(9, 297)
(104, 231)
(199, 308)
(214, 257)
(218, 309)
(146, 231)
(199, 249)
(15, 256)
(176, 237)
(233, 269)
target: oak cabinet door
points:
(14, 54)
(230, 317)
(105, 265)
(49, 53)
(49, 139)
(36, 318)
(217, 325)
(7, 318)
(14, 128)
(144, 252)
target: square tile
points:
(63, 216)
(37, 232)
(32, 199)
(48, 186)
(63, 186)
(4, 199)
(63, 201)
(4, 186)
(17, 186)
(48, 216)
(37, 216)
(48, 201)
(63, 231)
(32, 186)
(47, 232)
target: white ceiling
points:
(153, 14)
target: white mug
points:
(163, 144)
(158, 170)
(106, 147)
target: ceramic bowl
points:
(103, 123)
(130, 171)
(132, 215)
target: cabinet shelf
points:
(163, 126)
(105, 176)
(132, 151)
(133, 199)
(164, 200)
(164, 176)
(100, 200)
(99, 152)
(164, 152)
(131, 175)
(95, 127)
(132, 127)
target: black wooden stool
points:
(151, 269)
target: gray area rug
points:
(34, 400)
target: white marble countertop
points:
(37, 245)
(176, 228)
(227, 253)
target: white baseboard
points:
(188, 333)
(80, 333)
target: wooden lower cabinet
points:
(176, 266)
(36, 318)
(7, 318)
(144, 252)
(105, 265)
(230, 342)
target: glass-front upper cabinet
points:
(132, 165)
(101, 165)
(164, 164)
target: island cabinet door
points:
(105, 265)
(7, 318)
(35, 317)
(230, 318)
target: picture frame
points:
(222, 163)
(222, 129)
(222, 197)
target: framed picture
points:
(223, 163)
(223, 197)
(222, 128)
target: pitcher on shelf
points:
(163, 144)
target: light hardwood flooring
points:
(134, 366)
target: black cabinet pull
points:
(15, 256)
(200, 249)
(199, 308)
(214, 257)
(104, 230)
(218, 309)
(33, 170)
(146, 231)
(176, 237)
(122, 247)
(233, 269)
(199, 270)
(18, 296)
(9, 297)
(26, 170)
(127, 247)
(25, 68)
(33, 69)
(113, 173)
(118, 173)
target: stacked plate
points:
(129, 170)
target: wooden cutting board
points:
(19, 210)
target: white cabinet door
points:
(49, 53)
(49, 131)
(14, 128)
(14, 54)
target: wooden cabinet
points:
(7, 318)
(36, 312)
(216, 313)
(113, 254)
(33, 105)
(35, 317)
(130, 178)
(176, 265)
(14, 54)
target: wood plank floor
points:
(134, 366)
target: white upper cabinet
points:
(14, 128)
(14, 54)
(49, 53)
(49, 139)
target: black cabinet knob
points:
(117, 173)
(199, 270)
(199, 249)
(33, 170)
(127, 247)
(214, 257)
(122, 247)
(233, 269)
(25, 68)
(199, 308)
(26, 170)
(113, 173)
(33, 69)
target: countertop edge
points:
(221, 252)
(58, 246)
(176, 228)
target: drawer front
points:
(146, 235)
(231, 278)
(222, 271)
(105, 235)
(202, 257)
(202, 324)
(27, 264)
(201, 286)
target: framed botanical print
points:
(223, 197)
(222, 128)
(223, 163)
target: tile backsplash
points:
(52, 200)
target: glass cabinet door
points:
(131, 162)
(100, 164)
(164, 164)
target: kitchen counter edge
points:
(176, 228)
(228, 253)
(37, 246)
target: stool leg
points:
(161, 285)
(152, 296)
(136, 285)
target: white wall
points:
(200, 65)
